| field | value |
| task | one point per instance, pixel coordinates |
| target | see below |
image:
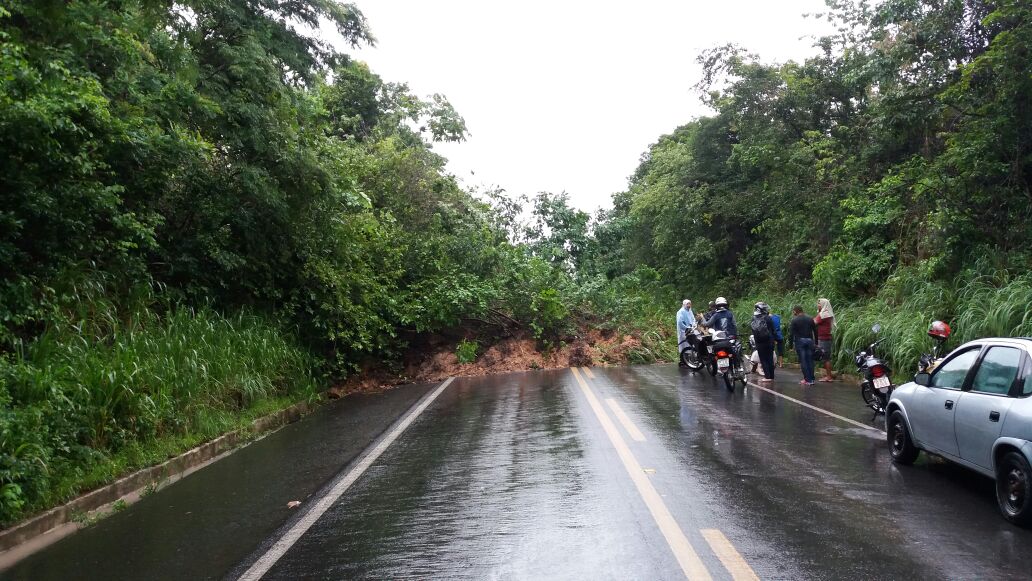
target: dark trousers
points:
(804, 349)
(766, 350)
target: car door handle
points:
(949, 404)
(994, 416)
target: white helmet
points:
(720, 302)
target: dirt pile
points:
(437, 360)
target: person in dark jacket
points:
(722, 320)
(710, 309)
(765, 334)
(802, 334)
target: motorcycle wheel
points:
(728, 381)
(690, 358)
(871, 398)
(740, 374)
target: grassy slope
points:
(90, 402)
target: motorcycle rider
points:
(710, 309)
(722, 319)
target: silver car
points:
(975, 410)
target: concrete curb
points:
(44, 529)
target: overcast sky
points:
(562, 95)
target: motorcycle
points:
(875, 384)
(693, 350)
(727, 359)
(940, 332)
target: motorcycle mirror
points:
(876, 328)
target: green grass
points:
(110, 392)
(995, 304)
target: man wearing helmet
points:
(722, 319)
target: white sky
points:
(567, 95)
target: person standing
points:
(779, 340)
(825, 321)
(802, 334)
(763, 332)
(685, 321)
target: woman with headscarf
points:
(825, 321)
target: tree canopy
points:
(902, 145)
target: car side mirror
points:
(924, 379)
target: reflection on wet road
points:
(648, 472)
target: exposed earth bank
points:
(437, 360)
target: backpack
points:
(760, 330)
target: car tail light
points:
(878, 370)
(721, 353)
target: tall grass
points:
(995, 304)
(100, 392)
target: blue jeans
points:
(804, 349)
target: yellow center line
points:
(625, 421)
(725, 551)
(686, 556)
(587, 371)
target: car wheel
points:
(900, 445)
(1014, 488)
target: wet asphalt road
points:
(517, 477)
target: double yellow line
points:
(687, 558)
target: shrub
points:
(467, 351)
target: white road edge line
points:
(732, 560)
(686, 556)
(628, 426)
(266, 561)
(817, 409)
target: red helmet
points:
(939, 330)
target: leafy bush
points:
(467, 351)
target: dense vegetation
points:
(892, 173)
(207, 212)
